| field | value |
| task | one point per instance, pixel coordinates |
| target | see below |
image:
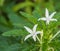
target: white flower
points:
(32, 32)
(48, 17)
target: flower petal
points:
(52, 14)
(47, 13)
(42, 19)
(27, 37)
(38, 32)
(34, 37)
(53, 19)
(28, 29)
(34, 28)
(47, 22)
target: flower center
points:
(48, 18)
(33, 33)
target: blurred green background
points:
(12, 21)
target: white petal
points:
(34, 37)
(53, 19)
(34, 28)
(39, 19)
(47, 13)
(38, 32)
(47, 22)
(52, 14)
(28, 29)
(27, 37)
(42, 19)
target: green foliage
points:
(22, 5)
(1, 2)
(14, 15)
(14, 33)
(29, 17)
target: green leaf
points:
(14, 32)
(22, 5)
(29, 17)
(13, 47)
(17, 20)
(4, 28)
(36, 14)
(1, 2)
(3, 20)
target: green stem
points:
(38, 39)
(50, 48)
(41, 41)
(54, 36)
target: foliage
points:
(14, 15)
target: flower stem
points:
(38, 39)
(41, 42)
(50, 48)
(54, 36)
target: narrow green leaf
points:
(14, 33)
(22, 5)
(29, 17)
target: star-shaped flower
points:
(48, 17)
(32, 32)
